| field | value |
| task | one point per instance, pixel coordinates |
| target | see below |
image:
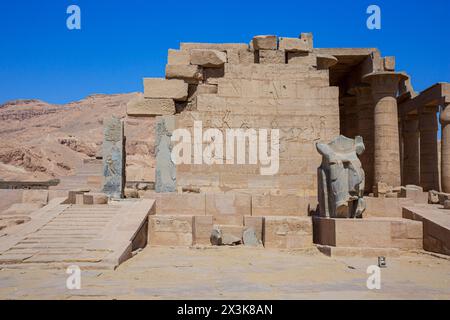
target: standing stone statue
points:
(341, 178)
(113, 158)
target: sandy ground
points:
(237, 273)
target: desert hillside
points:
(40, 141)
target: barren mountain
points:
(40, 141)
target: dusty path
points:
(237, 273)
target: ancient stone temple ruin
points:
(274, 143)
(309, 95)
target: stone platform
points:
(93, 236)
(279, 221)
(396, 233)
(436, 226)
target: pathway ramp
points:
(94, 236)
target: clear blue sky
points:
(122, 41)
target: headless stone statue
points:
(341, 178)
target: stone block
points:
(79, 199)
(271, 57)
(415, 193)
(301, 58)
(265, 42)
(257, 223)
(165, 88)
(212, 75)
(389, 63)
(177, 57)
(203, 226)
(385, 207)
(72, 195)
(246, 56)
(170, 230)
(295, 44)
(188, 73)
(358, 252)
(35, 196)
(228, 204)
(282, 205)
(443, 197)
(180, 204)
(368, 233)
(188, 46)
(150, 107)
(95, 198)
(287, 232)
(233, 56)
(208, 58)
(231, 231)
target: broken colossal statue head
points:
(341, 178)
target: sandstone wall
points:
(268, 84)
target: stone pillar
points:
(445, 148)
(411, 151)
(364, 127)
(429, 166)
(386, 152)
(113, 158)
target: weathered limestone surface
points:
(282, 205)
(188, 73)
(170, 230)
(295, 44)
(35, 196)
(341, 178)
(165, 171)
(203, 226)
(113, 158)
(165, 88)
(436, 227)
(208, 58)
(150, 107)
(373, 233)
(389, 63)
(265, 42)
(326, 61)
(296, 99)
(272, 57)
(287, 232)
(172, 203)
(178, 57)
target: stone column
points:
(429, 166)
(113, 158)
(386, 152)
(411, 158)
(365, 128)
(445, 148)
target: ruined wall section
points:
(271, 83)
